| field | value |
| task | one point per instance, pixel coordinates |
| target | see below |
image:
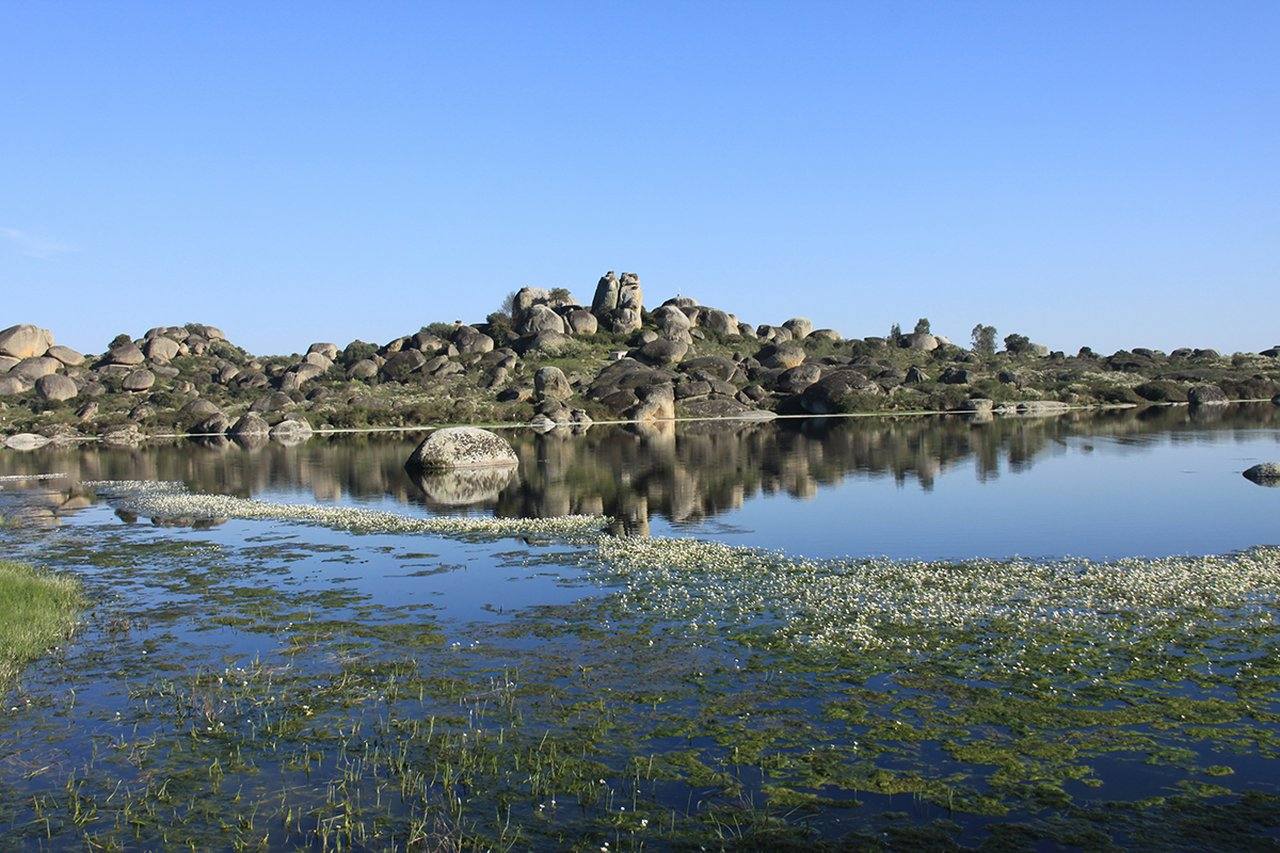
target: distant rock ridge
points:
(550, 360)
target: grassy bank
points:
(37, 609)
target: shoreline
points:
(1051, 411)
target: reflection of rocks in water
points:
(251, 440)
(42, 506)
(462, 486)
(34, 516)
(633, 521)
(214, 443)
(685, 472)
(187, 521)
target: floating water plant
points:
(859, 604)
(172, 500)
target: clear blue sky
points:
(1087, 173)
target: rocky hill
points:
(547, 360)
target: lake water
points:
(573, 694)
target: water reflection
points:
(686, 474)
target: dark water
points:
(953, 748)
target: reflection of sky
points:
(1155, 497)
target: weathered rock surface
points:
(837, 392)
(26, 441)
(127, 354)
(1267, 473)
(550, 383)
(799, 327)
(540, 318)
(249, 424)
(66, 355)
(1206, 395)
(25, 341)
(783, 356)
(33, 368)
(11, 385)
(462, 447)
(56, 388)
(139, 380)
(618, 302)
(291, 431)
(160, 349)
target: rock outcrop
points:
(618, 302)
(25, 341)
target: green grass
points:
(37, 609)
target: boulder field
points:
(547, 359)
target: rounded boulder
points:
(462, 447)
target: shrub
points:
(1161, 391)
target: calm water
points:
(1156, 482)
(173, 601)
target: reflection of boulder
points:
(251, 440)
(462, 486)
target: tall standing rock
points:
(618, 302)
(606, 298)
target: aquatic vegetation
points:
(252, 684)
(172, 500)
(861, 604)
(37, 610)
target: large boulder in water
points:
(462, 447)
(1266, 474)
(25, 341)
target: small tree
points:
(560, 296)
(984, 339)
(1016, 344)
(509, 304)
(922, 326)
(895, 334)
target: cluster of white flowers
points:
(874, 603)
(172, 500)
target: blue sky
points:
(1100, 174)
